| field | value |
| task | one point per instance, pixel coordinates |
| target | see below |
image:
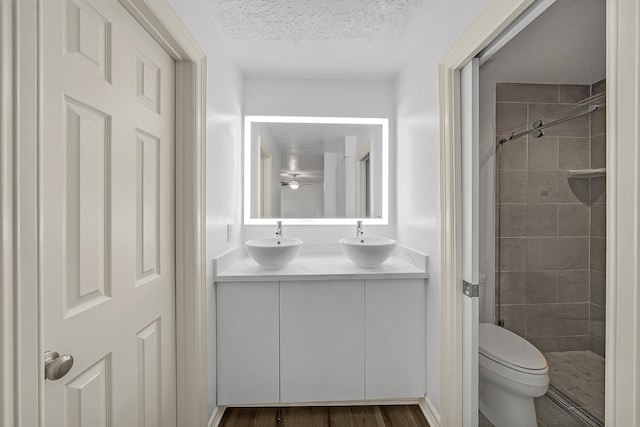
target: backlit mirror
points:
(315, 170)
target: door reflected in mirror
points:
(315, 170)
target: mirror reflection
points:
(301, 167)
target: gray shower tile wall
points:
(574, 153)
(543, 155)
(573, 220)
(598, 155)
(552, 186)
(551, 253)
(573, 93)
(571, 285)
(597, 229)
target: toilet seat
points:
(510, 350)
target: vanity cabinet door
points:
(322, 341)
(395, 338)
(248, 338)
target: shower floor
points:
(579, 375)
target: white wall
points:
(418, 154)
(224, 97)
(330, 97)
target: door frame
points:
(623, 213)
(21, 351)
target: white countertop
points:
(403, 264)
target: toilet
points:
(511, 373)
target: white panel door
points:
(107, 217)
(248, 342)
(395, 334)
(469, 97)
(321, 341)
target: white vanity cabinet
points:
(248, 351)
(395, 338)
(322, 341)
(320, 330)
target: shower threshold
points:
(566, 404)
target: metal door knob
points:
(56, 366)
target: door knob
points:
(56, 366)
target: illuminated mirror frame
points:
(249, 120)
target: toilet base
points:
(506, 409)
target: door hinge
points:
(470, 290)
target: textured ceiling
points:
(375, 38)
(295, 20)
(321, 38)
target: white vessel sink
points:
(273, 253)
(367, 251)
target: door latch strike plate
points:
(470, 290)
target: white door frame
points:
(21, 131)
(623, 206)
(470, 220)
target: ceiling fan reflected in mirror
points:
(294, 184)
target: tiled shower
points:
(550, 231)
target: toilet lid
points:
(508, 348)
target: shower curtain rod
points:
(541, 125)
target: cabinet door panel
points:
(248, 338)
(322, 341)
(395, 338)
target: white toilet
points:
(511, 373)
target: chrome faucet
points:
(279, 230)
(359, 231)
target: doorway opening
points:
(543, 216)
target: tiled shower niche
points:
(551, 228)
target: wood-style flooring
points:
(333, 416)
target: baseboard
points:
(380, 402)
(216, 417)
(429, 411)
